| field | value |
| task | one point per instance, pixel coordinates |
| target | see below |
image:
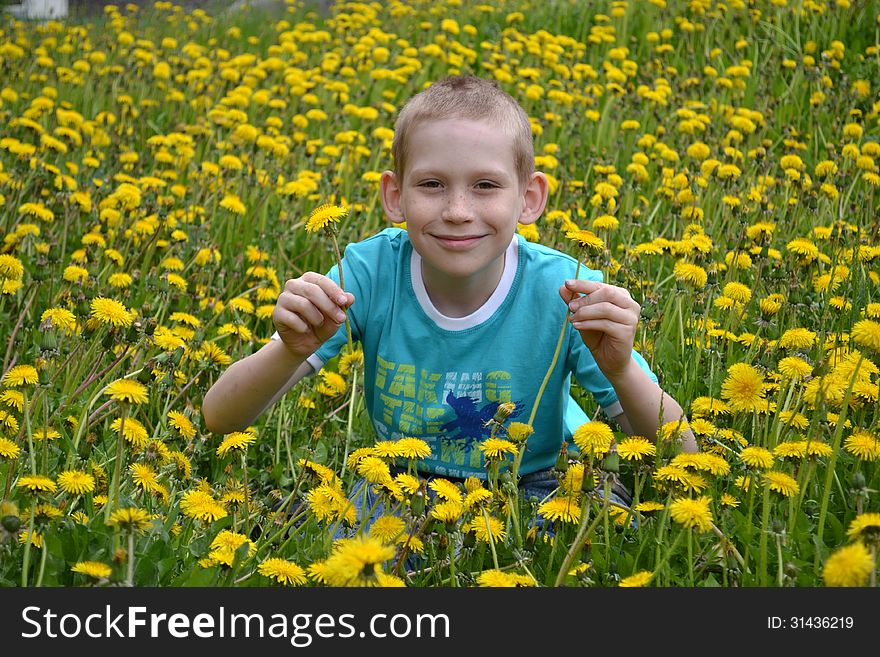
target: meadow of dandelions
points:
(159, 169)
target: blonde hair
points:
(466, 97)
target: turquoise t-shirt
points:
(441, 379)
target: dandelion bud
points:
(504, 411)
(43, 377)
(791, 570)
(11, 523)
(470, 539)
(417, 503)
(176, 356)
(611, 462)
(562, 461)
(588, 483)
(858, 481)
(150, 326)
(48, 341)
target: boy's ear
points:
(389, 188)
(534, 198)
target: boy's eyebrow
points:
(479, 173)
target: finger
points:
(605, 310)
(308, 311)
(580, 286)
(614, 330)
(330, 288)
(287, 320)
(611, 293)
(317, 296)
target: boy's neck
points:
(460, 297)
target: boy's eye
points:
(431, 184)
(485, 184)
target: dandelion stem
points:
(832, 460)
(765, 520)
(113, 502)
(549, 369)
(491, 538)
(349, 427)
(129, 579)
(26, 561)
(578, 543)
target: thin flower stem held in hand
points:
(27, 547)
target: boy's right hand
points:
(309, 312)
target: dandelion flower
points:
(94, 569)
(111, 312)
(593, 438)
(639, 579)
(134, 432)
(202, 506)
(237, 440)
(37, 484)
(447, 512)
(130, 519)
(76, 482)
(233, 203)
(865, 527)
(20, 375)
(866, 333)
(693, 514)
(863, 445)
(282, 571)
(357, 562)
(561, 509)
(519, 432)
(182, 423)
(649, 506)
(445, 489)
(59, 318)
(496, 448)
(691, 274)
(797, 338)
(324, 216)
(586, 239)
(635, 448)
(500, 579)
(485, 527)
(757, 457)
(782, 483)
(413, 448)
(387, 528)
(374, 470)
(128, 391)
(8, 449)
(848, 566)
(743, 387)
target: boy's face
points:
(461, 199)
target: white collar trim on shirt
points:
(482, 313)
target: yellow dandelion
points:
(128, 391)
(110, 312)
(324, 216)
(20, 375)
(848, 566)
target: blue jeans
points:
(540, 485)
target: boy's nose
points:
(458, 209)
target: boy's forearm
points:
(248, 386)
(646, 407)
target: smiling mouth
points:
(457, 242)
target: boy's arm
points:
(606, 316)
(308, 312)
(250, 386)
(643, 403)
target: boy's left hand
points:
(606, 317)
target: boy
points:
(457, 313)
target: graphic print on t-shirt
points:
(449, 410)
